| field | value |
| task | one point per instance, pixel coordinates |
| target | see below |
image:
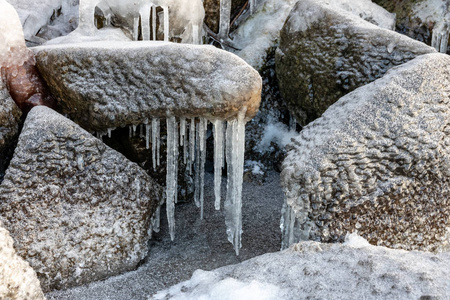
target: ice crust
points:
(311, 270)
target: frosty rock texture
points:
(325, 53)
(77, 210)
(9, 116)
(17, 279)
(312, 270)
(377, 161)
(110, 85)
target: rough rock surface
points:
(17, 279)
(377, 161)
(111, 85)
(325, 53)
(9, 116)
(77, 210)
(312, 270)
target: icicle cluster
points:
(229, 142)
(440, 36)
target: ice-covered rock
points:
(262, 30)
(319, 61)
(17, 279)
(9, 117)
(77, 210)
(108, 85)
(377, 161)
(311, 270)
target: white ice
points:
(171, 175)
(218, 159)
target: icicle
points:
(218, 160)
(147, 136)
(158, 143)
(134, 129)
(171, 176)
(197, 166)
(166, 23)
(130, 131)
(109, 132)
(203, 126)
(154, 22)
(136, 28)
(155, 136)
(183, 139)
(225, 15)
(191, 145)
(145, 22)
(195, 35)
(235, 168)
(440, 37)
(157, 219)
(292, 123)
(252, 6)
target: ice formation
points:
(441, 32)
(13, 51)
(185, 16)
(229, 142)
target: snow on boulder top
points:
(106, 85)
(13, 51)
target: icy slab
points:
(13, 51)
(79, 211)
(179, 18)
(318, 62)
(187, 80)
(17, 279)
(37, 14)
(323, 271)
(377, 161)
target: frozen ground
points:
(198, 244)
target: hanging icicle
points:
(191, 145)
(145, 22)
(235, 146)
(147, 136)
(203, 126)
(218, 159)
(155, 137)
(171, 175)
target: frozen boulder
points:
(111, 85)
(377, 161)
(312, 270)
(9, 117)
(325, 53)
(77, 210)
(17, 279)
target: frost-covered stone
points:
(111, 85)
(312, 270)
(325, 52)
(377, 161)
(77, 210)
(17, 279)
(9, 117)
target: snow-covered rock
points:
(311, 270)
(9, 116)
(77, 210)
(326, 52)
(107, 85)
(17, 279)
(377, 161)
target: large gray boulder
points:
(326, 52)
(106, 86)
(77, 210)
(18, 280)
(9, 117)
(377, 161)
